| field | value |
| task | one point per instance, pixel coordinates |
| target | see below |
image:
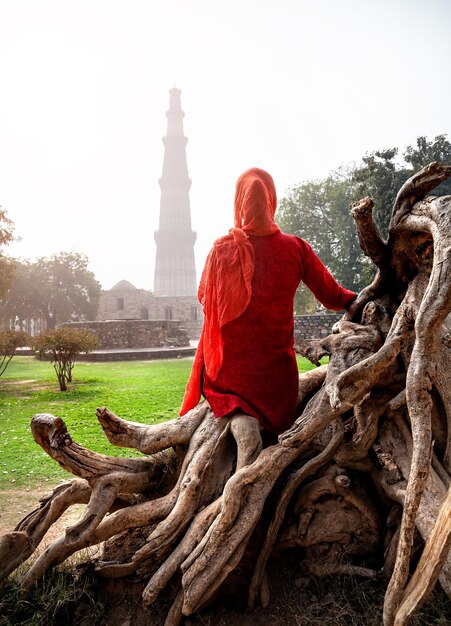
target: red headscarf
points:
(226, 285)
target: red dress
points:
(259, 374)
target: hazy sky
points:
(295, 87)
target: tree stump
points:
(364, 467)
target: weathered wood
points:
(293, 483)
(435, 306)
(370, 238)
(150, 439)
(428, 569)
(372, 435)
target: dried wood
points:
(372, 435)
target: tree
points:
(356, 480)
(380, 178)
(6, 237)
(57, 289)
(19, 302)
(425, 151)
(62, 346)
(10, 340)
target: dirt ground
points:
(15, 504)
(296, 600)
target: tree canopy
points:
(318, 210)
(58, 289)
(6, 237)
(10, 340)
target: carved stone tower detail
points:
(175, 270)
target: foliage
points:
(318, 210)
(6, 237)
(58, 289)
(380, 177)
(141, 391)
(63, 345)
(10, 340)
(427, 151)
(6, 228)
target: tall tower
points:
(175, 270)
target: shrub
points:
(62, 346)
(10, 340)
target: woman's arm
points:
(321, 283)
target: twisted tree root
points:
(150, 439)
(242, 503)
(16, 547)
(293, 483)
(428, 569)
(435, 307)
(201, 497)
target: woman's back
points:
(259, 359)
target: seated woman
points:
(245, 365)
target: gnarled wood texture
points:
(366, 464)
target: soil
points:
(15, 504)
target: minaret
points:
(175, 270)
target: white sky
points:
(297, 87)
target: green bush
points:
(10, 340)
(62, 346)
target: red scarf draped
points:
(225, 288)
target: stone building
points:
(175, 285)
(124, 301)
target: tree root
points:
(344, 568)
(355, 476)
(435, 307)
(428, 569)
(293, 483)
(16, 547)
(150, 439)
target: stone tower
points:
(175, 270)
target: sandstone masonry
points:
(314, 326)
(122, 334)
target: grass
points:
(141, 391)
(63, 597)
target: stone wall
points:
(187, 309)
(314, 326)
(121, 334)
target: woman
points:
(245, 364)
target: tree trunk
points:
(366, 464)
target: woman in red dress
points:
(245, 363)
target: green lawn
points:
(142, 391)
